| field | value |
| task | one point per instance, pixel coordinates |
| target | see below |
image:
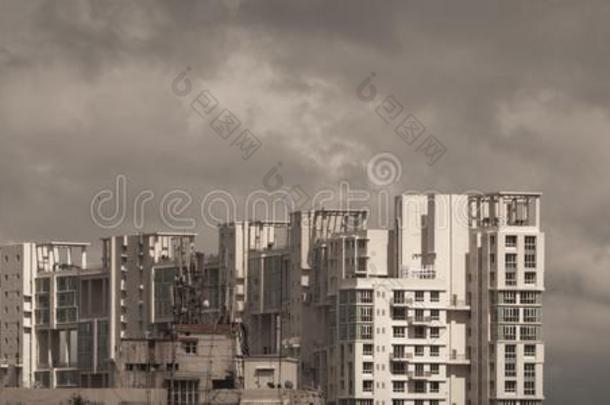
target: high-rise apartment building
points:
(445, 308)
(507, 268)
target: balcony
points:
(458, 358)
(401, 356)
(419, 375)
(401, 302)
(420, 319)
(458, 304)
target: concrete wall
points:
(118, 396)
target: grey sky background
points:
(517, 91)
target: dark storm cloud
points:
(517, 91)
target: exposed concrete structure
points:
(106, 396)
(235, 240)
(143, 271)
(199, 359)
(270, 371)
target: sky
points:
(517, 93)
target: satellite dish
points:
(206, 303)
(288, 384)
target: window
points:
(420, 387)
(531, 315)
(367, 367)
(510, 386)
(529, 350)
(511, 241)
(367, 386)
(434, 296)
(529, 387)
(365, 296)
(398, 331)
(399, 368)
(398, 386)
(190, 346)
(367, 349)
(366, 314)
(530, 243)
(508, 297)
(510, 260)
(419, 351)
(511, 278)
(366, 331)
(399, 297)
(434, 351)
(530, 261)
(529, 297)
(435, 314)
(419, 296)
(434, 370)
(530, 333)
(510, 352)
(509, 314)
(530, 277)
(510, 370)
(529, 371)
(419, 315)
(435, 333)
(420, 332)
(434, 386)
(508, 332)
(399, 313)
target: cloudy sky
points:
(517, 92)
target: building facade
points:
(445, 308)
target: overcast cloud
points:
(517, 91)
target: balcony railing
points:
(401, 356)
(419, 374)
(401, 301)
(454, 356)
(419, 319)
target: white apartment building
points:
(442, 309)
(507, 269)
